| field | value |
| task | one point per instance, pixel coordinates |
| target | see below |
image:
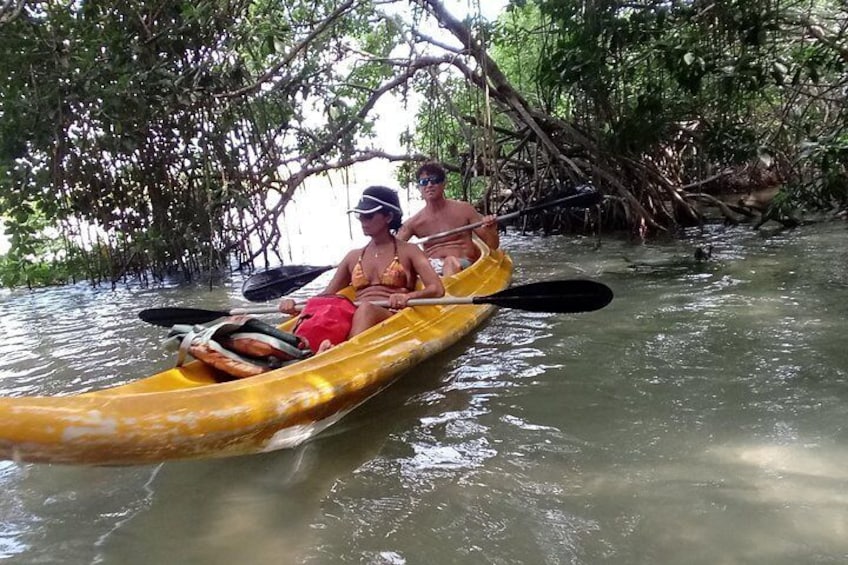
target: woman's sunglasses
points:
(365, 217)
(430, 180)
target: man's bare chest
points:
(439, 223)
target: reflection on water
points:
(699, 418)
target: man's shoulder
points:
(417, 215)
(462, 207)
(459, 204)
(416, 219)
(412, 226)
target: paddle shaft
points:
(444, 301)
(590, 198)
(167, 317)
(170, 316)
(564, 296)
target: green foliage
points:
(825, 161)
(691, 87)
(37, 257)
(637, 70)
(166, 125)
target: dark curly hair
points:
(431, 168)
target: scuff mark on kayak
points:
(290, 437)
(293, 436)
(91, 424)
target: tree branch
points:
(292, 55)
(11, 10)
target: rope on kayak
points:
(239, 346)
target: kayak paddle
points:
(562, 297)
(280, 281)
(582, 199)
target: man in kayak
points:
(452, 253)
(386, 269)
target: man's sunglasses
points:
(430, 180)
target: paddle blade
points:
(586, 197)
(565, 296)
(168, 317)
(279, 281)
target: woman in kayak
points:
(386, 269)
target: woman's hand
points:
(288, 306)
(398, 301)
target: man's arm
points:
(488, 232)
(405, 232)
(408, 229)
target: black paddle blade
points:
(565, 296)
(585, 197)
(279, 281)
(168, 317)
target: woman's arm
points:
(433, 287)
(341, 279)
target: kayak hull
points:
(188, 412)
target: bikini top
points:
(394, 275)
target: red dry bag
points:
(325, 318)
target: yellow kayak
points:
(186, 412)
